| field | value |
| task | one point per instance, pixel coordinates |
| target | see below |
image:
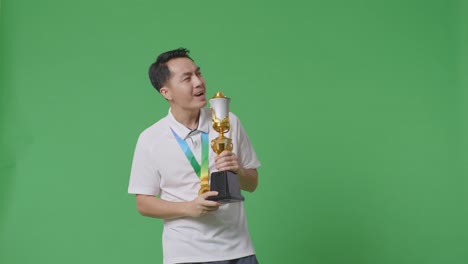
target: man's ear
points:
(166, 93)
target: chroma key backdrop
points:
(358, 111)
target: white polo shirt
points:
(161, 168)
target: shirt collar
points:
(183, 131)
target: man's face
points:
(185, 88)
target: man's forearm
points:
(155, 207)
(248, 179)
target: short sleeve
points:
(144, 177)
(246, 153)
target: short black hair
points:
(159, 72)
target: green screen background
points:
(357, 110)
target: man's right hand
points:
(201, 206)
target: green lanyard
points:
(201, 171)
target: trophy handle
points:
(213, 146)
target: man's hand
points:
(201, 206)
(227, 160)
(248, 178)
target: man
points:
(166, 182)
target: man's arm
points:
(248, 178)
(152, 206)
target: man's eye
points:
(187, 79)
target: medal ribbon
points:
(201, 171)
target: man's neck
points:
(186, 118)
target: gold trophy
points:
(225, 183)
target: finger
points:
(227, 161)
(209, 194)
(207, 204)
(228, 158)
(212, 209)
(225, 153)
(227, 166)
(223, 167)
(232, 168)
(214, 204)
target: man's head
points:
(158, 72)
(178, 79)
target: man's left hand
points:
(227, 160)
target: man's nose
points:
(197, 80)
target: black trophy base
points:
(227, 186)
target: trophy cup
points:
(225, 183)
